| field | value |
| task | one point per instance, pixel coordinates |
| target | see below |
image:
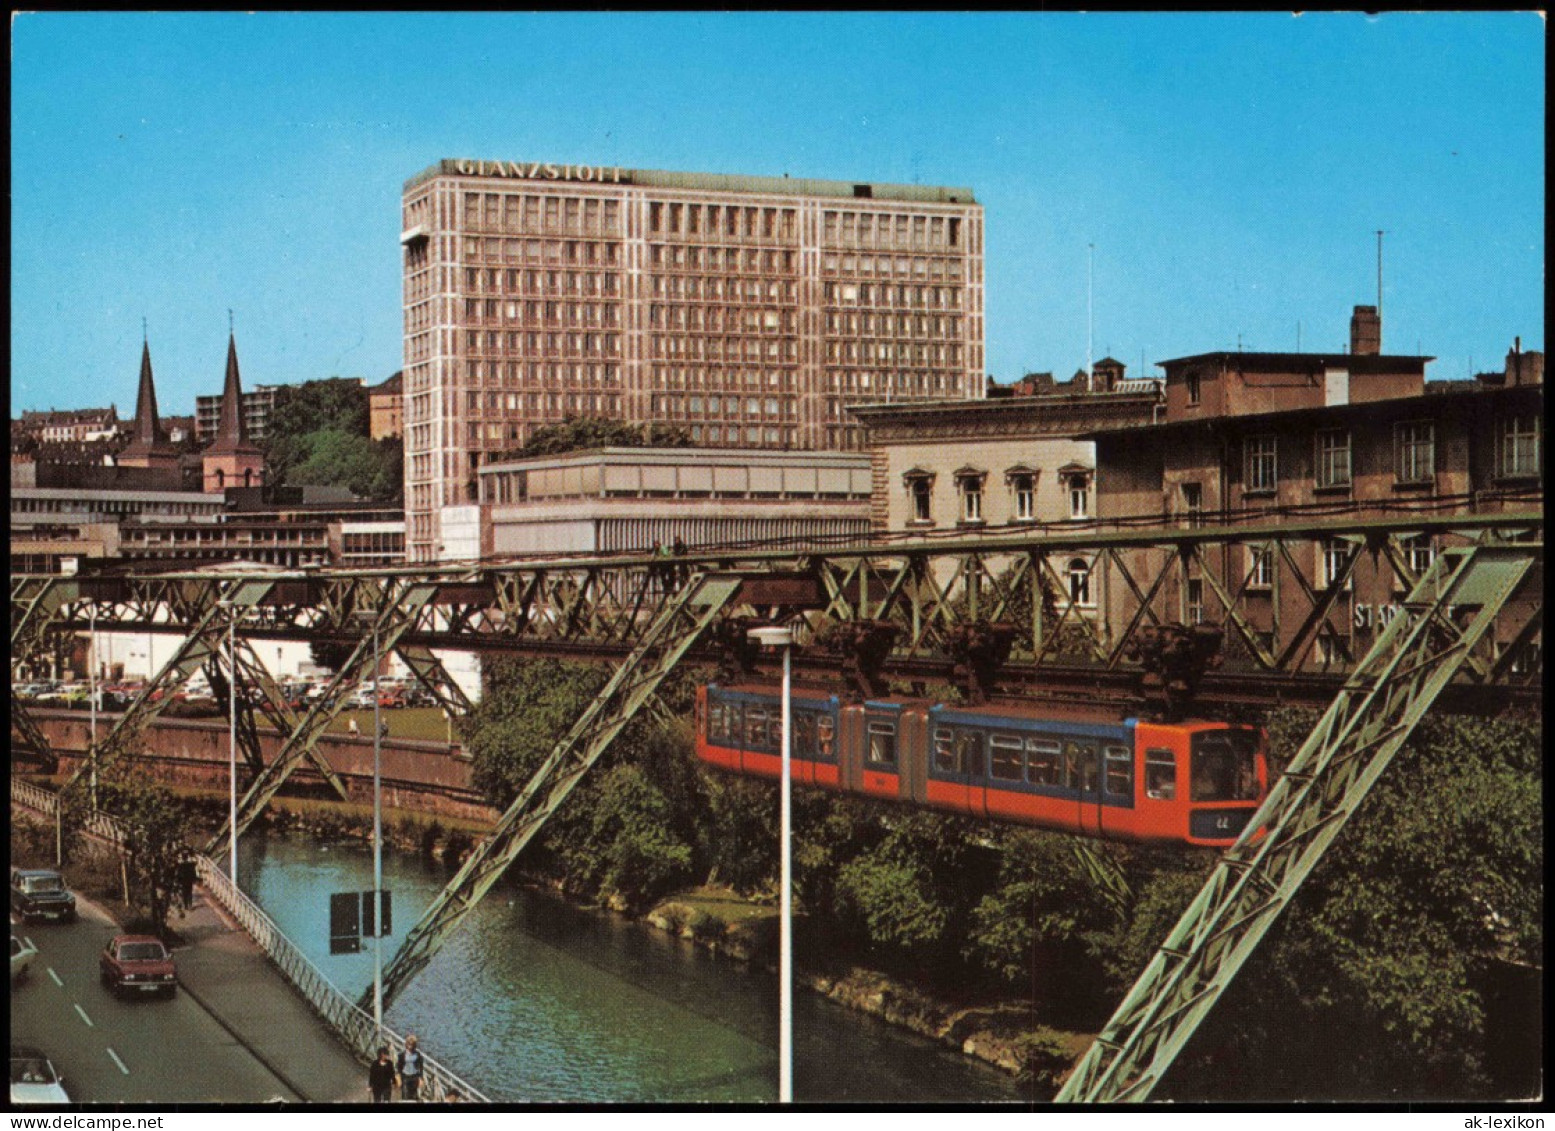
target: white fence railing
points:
(350, 1023)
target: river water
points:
(534, 1000)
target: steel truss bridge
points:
(998, 613)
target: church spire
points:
(148, 446)
(231, 436)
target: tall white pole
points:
(1090, 319)
(91, 676)
(232, 747)
(786, 932)
(377, 852)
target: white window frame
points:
(920, 487)
(1260, 464)
(1079, 583)
(1326, 472)
(1260, 567)
(1522, 446)
(1414, 451)
(1332, 552)
(969, 489)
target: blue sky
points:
(1230, 170)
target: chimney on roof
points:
(1524, 368)
(1366, 331)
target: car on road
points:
(22, 953)
(39, 893)
(138, 963)
(33, 1079)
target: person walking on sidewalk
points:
(410, 1066)
(380, 1077)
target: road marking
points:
(119, 1062)
(85, 1018)
(55, 976)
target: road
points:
(135, 1050)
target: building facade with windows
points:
(257, 403)
(749, 311)
(636, 500)
(1431, 448)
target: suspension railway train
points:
(1194, 782)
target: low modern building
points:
(257, 406)
(627, 500)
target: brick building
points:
(1270, 438)
(386, 409)
(748, 310)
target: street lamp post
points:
(779, 637)
(232, 744)
(91, 675)
(377, 851)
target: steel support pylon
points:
(1445, 617)
(672, 632)
(394, 615)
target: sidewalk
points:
(222, 969)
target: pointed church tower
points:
(232, 460)
(149, 446)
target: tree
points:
(156, 848)
(318, 435)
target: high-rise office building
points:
(747, 311)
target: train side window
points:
(717, 722)
(804, 734)
(1080, 766)
(1044, 762)
(775, 730)
(755, 728)
(825, 729)
(1119, 779)
(1160, 774)
(1005, 760)
(969, 752)
(734, 723)
(882, 744)
(945, 751)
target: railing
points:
(342, 1016)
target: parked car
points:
(22, 953)
(33, 1079)
(38, 893)
(137, 962)
(389, 698)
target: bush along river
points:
(533, 999)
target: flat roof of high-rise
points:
(552, 173)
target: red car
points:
(137, 962)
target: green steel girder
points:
(211, 611)
(431, 674)
(1230, 607)
(22, 725)
(392, 612)
(1445, 617)
(677, 626)
(1144, 606)
(35, 603)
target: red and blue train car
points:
(1192, 782)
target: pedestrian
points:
(352, 727)
(380, 1077)
(410, 1066)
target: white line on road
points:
(85, 1018)
(53, 975)
(119, 1062)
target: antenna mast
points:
(1090, 320)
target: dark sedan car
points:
(39, 893)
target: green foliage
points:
(1043, 899)
(579, 433)
(894, 894)
(318, 435)
(156, 848)
(1440, 872)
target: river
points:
(535, 1000)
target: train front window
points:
(1160, 774)
(1006, 761)
(1224, 766)
(882, 744)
